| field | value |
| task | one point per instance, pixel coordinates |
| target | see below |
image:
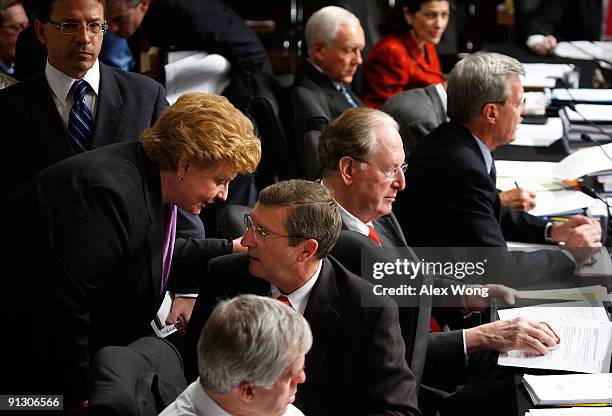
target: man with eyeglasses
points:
(356, 365)
(13, 20)
(362, 156)
(76, 103)
(452, 200)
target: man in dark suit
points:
(452, 200)
(363, 163)
(335, 39)
(356, 364)
(13, 20)
(35, 114)
(563, 20)
(208, 25)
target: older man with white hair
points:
(250, 359)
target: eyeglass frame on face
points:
(521, 102)
(390, 174)
(103, 27)
(259, 234)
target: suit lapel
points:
(323, 319)
(431, 92)
(109, 120)
(50, 133)
(389, 231)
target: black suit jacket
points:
(33, 136)
(310, 78)
(84, 242)
(356, 365)
(567, 19)
(452, 201)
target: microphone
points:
(593, 194)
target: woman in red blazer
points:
(406, 57)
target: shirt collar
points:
(61, 83)
(336, 84)
(350, 221)
(442, 94)
(299, 297)
(6, 68)
(486, 153)
(202, 402)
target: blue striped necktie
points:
(80, 123)
(347, 95)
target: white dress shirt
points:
(61, 84)
(299, 298)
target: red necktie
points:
(374, 235)
(285, 300)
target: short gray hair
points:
(325, 23)
(352, 133)
(313, 212)
(250, 338)
(479, 79)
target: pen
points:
(559, 219)
(516, 183)
(583, 405)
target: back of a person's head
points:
(479, 79)
(250, 338)
(324, 24)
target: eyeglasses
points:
(391, 173)
(71, 28)
(259, 234)
(521, 102)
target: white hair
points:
(324, 24)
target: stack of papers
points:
(583, 49)
(585, 334)
(539, 135)
(575, 123)
(583, 95)
(545, 75)
(569, 389)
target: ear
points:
(143, 6)
(182, 166)
(490, 112)
(246, 391)
(309, 249)
(317, 52)
(407, 15)
(346, 168)
(41, 34)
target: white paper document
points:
(560, 201)
(585, 346)
(569, 388)
(583, 95)
(571, 411)
(594, 311)
(597, 113)
(539, 135)
(159, 322)
(195, 71)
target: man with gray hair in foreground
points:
(250, 359)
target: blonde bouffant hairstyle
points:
(205, 128)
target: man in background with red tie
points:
(356, 365)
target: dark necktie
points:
(80, 122)
(348, 97)
(493, 173)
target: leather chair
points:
(270, 109)
(312, 117)
(231, 220)
(140, 379)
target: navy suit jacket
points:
(452, 201)
(567, 19)
(33, 135)
(356, 364)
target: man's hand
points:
(180, 313)
(545, 46)
(516, 334)
(519, 199)
(237, 247)
(479, 303)
(578, 231)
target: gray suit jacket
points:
(418, 112)
(33, 136)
